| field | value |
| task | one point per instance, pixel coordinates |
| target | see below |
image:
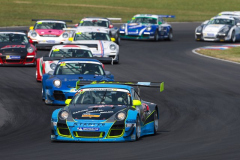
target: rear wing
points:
(101, 59)
(52, 20)
(167, 16)
(22, 31)
(115, 19)
(128, 83)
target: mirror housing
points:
(159, 23)
(70, 39)
(50, 72)
(128, 21)
(136, 102)
(31, 41)
(67, 101)
(113, 39)
(110, 26)
(76, 25)
(31, 28)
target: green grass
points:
(20, 12)
(232, 54)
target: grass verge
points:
(232, 54)
(20, 12)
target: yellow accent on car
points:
(113, 39)
(81, 21)
(136, 102)
(67, 101)
(31, 28)
(70, 39)
(79, 33)
(63, 64)
(39, 22)
(162, 87)
(56, 50)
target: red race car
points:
(16, 49)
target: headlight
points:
(30, 49)
(225, 29)
(65, 35)
(64, 115)
(53, 66)
(148, 28)
(113, 47)
(57, 83)
(33, 34)
(121, 116)
(123, 26)
(199, 29)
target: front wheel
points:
(156, 36)
(138, 128)
(233, 37)
(117, 60)
(155, 122)
(118, 39)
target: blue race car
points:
(60, 84)
(147, 26)
(106, 111)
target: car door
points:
(139, 108)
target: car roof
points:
(223, 17)
(70, 46)
(79, 59)
(118, 86)
(237, 13)
(14, 32)
(91, 29)
(94, 18)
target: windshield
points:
(50, 25)
(73, 68)
(99, 23)
(221, 21)
(74, 53)
(91, 36)
(144, 20)
(103, 96)
(13, 38)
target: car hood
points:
(49, 32)
(70, 80)
(134, 26)
(214, 28)
(94, 111)
(13, 48)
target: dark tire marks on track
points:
(199, 109)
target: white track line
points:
(195, 52)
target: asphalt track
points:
(199, 109)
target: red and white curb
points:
(216, 48)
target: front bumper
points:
(216, 37)
(73, 131)
(47, 42)
(140, 37)
(31, 61)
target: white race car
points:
(46, 64)
(103, 23)
(229, 13)
(220, 28)
(98, 40)
(48, 32)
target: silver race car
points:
(220, 28)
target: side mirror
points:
(67, 101)
(30, 41)
(137, 102)
(50, 72)
(108, 73)
(76, 25)
(128, 21)
(31, 28)
(113, 39)
(70, 39)
(238, 24)
(110, 26)
(159, 23)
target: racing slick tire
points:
(138, 128)
(155, 122)
(170, 35)
(233, 37)
(118, 39)
(156, 36)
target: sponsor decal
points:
(107, 112)
(85, 110)
(13, 57)
(87, 129)
(13, 46)
(131, 121)
(130, 124)
(50, 41)
(90, 115)
(73, 90)
(101, 106)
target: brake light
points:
(76, 25)
(103, 66)
(30, 41)
(110, 26)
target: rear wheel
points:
(117, 60)
(138, 128)
(170, 35)
(118, 39)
